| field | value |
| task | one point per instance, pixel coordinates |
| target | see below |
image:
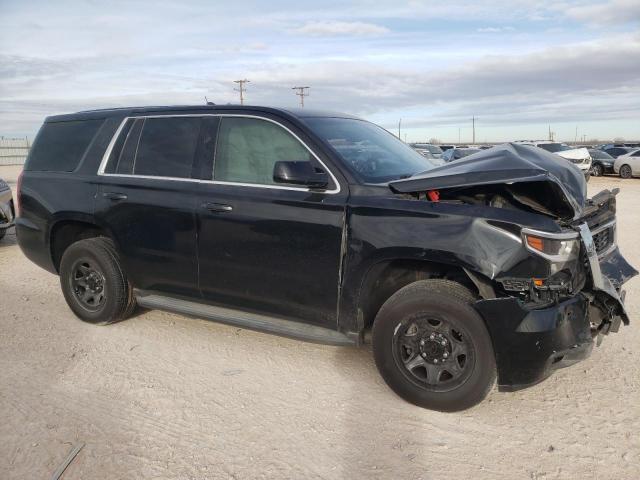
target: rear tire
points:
(94, 283)
(432, 348)
(625, 171)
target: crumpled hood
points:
(575, 154)
(526, 170)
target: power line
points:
(241, 88)
(301, 93)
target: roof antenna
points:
(207, 101)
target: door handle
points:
(115, 196)
(217, 207)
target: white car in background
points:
(628, 165)
(580, 157)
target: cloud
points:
(495, 29)
(611, 12)
(335, 28)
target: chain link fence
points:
(13, 151)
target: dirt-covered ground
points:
(163, 396)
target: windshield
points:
(369, 151)
(600, 155)
(554, 147)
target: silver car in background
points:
(7, 211)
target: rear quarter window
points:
(60, 146)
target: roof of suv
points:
(125, 111)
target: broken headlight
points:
(556, 247)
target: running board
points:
(252, 321)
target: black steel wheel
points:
(432, 353)
(597, 170)
(93, 282)
(432, 348)
(625, 171)
(88, 283)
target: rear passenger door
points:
(146, 199)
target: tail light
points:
(18, 200)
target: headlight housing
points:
(556, 247)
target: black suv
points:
(322, 226)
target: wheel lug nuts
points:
(445, 354)
(435, 360)
(432, 336)
(443, 342)
(421, 342)
(424, 355)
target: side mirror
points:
(300, 173)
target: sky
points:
(519, 66)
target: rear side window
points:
(167, 147)
(60, 146)
(156, 147)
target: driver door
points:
(266, 247)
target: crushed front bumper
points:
(530, 343)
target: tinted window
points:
(167, 147)
(248, 149)
(60, 146)
(371, 152)
(124, 149)
(130, 147)
(599, 155)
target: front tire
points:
(94, 283)
(597, 170)
(625, 171)
(432, 348)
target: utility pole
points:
(473, 124)
(399, 126)
(301, 93)
(241, 88)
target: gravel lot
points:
(164, 396)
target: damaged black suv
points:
(322, 227)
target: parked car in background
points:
(434, 151)
(628, 165)
(324, 227)
(444, 148)
(7, 211)
(601, 162)
(457, 153)
(616, 151)
(578, 156)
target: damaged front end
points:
(556, 289)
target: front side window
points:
(248, 149)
